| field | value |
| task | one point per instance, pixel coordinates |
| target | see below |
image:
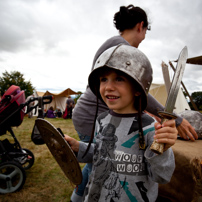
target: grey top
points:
(84, 111)
(70, 102)
(121, 170)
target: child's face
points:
(117, 92)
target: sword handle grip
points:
(156, 147)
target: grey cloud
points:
(24, 26)
(43, 26)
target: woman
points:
(132, 24)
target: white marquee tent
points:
(59, 100)
(159, 92)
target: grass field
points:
(45, 181)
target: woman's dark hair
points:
(128, 17)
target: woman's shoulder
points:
(115, 40)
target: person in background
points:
(59, 113)
(124, 167)
(132, 24)
(69, 106)
(45, 112)
(50, 113)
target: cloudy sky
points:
(53, 42)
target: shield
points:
(61, 150)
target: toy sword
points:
(167, 114)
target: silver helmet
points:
(129, 60)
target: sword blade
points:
(177, 78)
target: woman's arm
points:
(153, 106)
(185, 129)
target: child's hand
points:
(166, 133)
(72, 142)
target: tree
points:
(77, 96)
(15, 78)
(184, 92)
(197, 98)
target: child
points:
(124, 168)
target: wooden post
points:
(194, 105)
(166, 76)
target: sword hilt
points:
(159, 147)
(166, 115)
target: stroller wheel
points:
(12, 177)
(29, 161)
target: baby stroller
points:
(14, 159)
